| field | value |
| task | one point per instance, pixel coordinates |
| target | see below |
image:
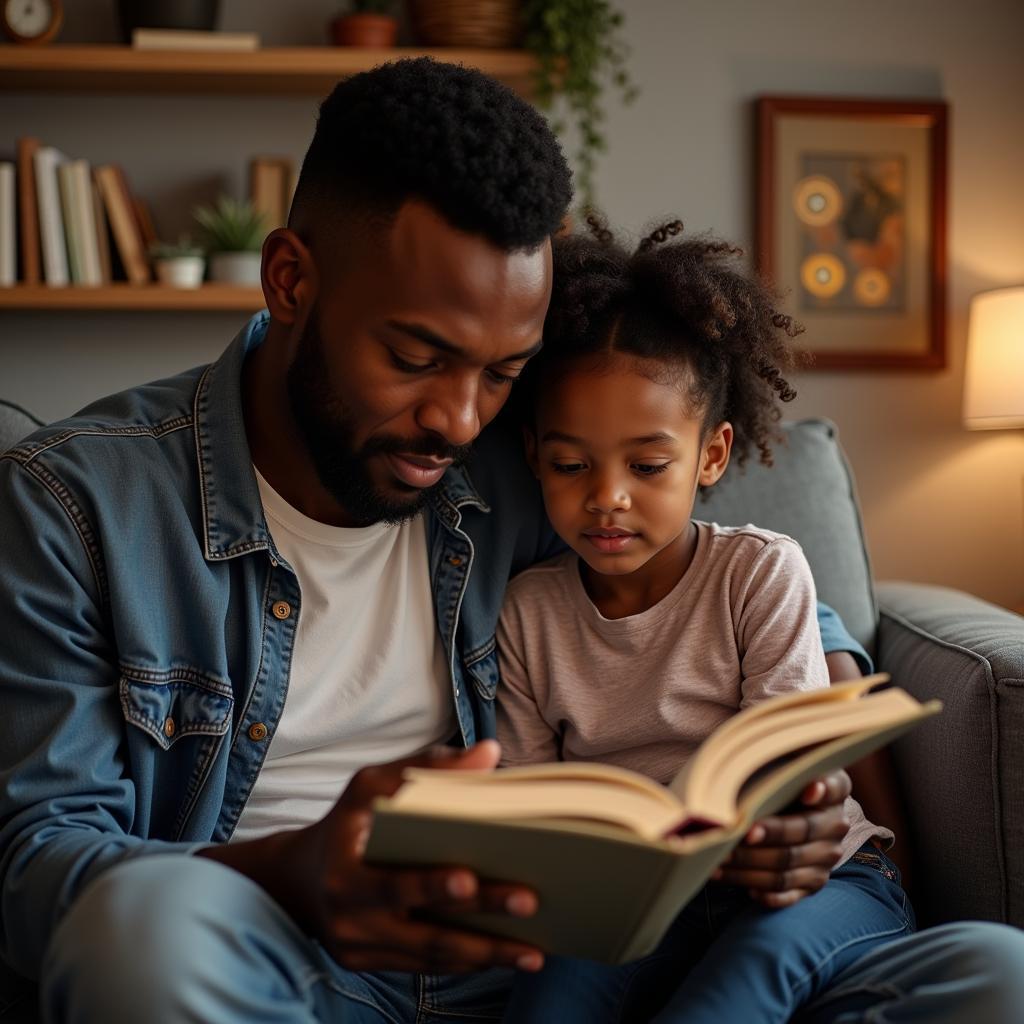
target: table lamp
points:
(994, 380)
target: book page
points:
(732, 734)
(646, 815)
(555, 771)
(716, 793)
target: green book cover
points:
(605, 893)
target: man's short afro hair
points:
(448, 135)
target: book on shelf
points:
(28, 212)
(271, 184)
(143, 217)
(8, 226)
(46, 161)
(178, 39)
(102, 232)
(124, 223)
(613, 855)
(71, 226)
(75, 181)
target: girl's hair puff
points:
(685, 302)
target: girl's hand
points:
(786, 857)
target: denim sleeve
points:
(67, 804)
(834, 637)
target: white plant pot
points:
(181, 271)
(236, 268)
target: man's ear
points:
(530, 442)
(715, 455)
(289, 276)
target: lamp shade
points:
(994, 381)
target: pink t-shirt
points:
(644, 691)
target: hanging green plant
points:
(580, 53)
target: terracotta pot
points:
(374, 30)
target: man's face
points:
(410, 351)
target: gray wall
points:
(941, 504)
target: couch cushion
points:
(960, 774)
(15, 423)
(808, 494)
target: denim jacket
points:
(149, 624)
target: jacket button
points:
(454, 560)
(168, 727)
(257, 731)
(281, 609)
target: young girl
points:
(656, 627)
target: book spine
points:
(28, 211)
(177, 39)
(85, 223)
(267, 187)
(138, 270)
(147, 232)
(123, 224)
(51, 222)
(65, 186)
(102, 232)
(8, 246)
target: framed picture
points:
(851, 227)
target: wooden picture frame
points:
(851, 227)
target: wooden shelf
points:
(210, 297)
(297, 71)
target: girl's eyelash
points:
(642, 468)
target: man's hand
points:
(786, 857)
(366, 916)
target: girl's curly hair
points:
(681, 301)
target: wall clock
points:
(31, 21)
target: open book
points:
(613, 855)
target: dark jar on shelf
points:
(181, 14)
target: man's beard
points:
(329, 434)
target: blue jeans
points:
(175, 938)
(726, 957)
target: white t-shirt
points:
(369, 679)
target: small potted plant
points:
(178, 264)
(233, 234)
(367, 23)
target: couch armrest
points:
(962, 773)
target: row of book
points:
(64, 222)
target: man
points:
(226, 593)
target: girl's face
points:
(619, 458)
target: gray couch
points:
(15, 423)
(959, 774)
